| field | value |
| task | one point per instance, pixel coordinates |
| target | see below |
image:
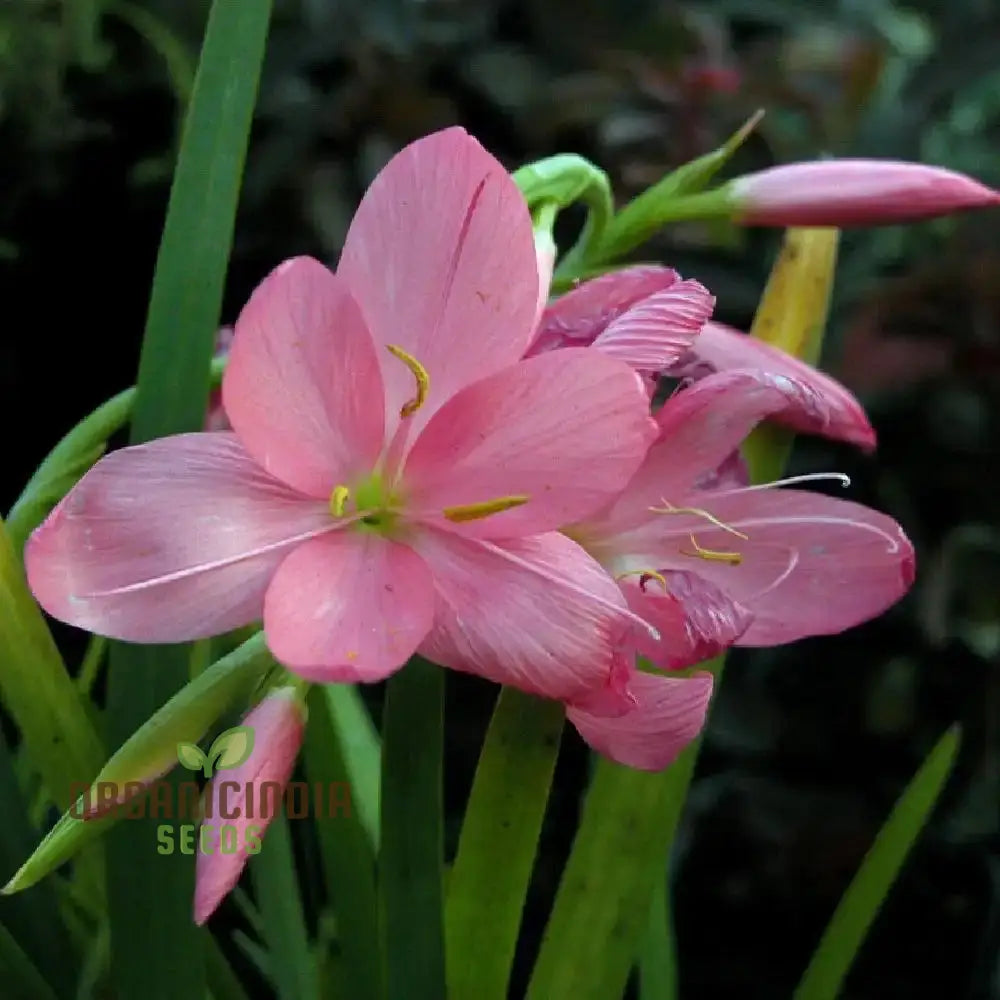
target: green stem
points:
(603, 904)
(657, 970)
(489, 880)
(411, 857)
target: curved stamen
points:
(712, 555)
(669, 508)
(420, 375)
(476, 511)
(337, 500)
(809, 477)
(645, 575)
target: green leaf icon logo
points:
(231, 748)
(191, 757)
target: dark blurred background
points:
(809, 745)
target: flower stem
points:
(411, 857)
(503, 820)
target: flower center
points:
(378, 506)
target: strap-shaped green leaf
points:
(860, 904)
(172, 393)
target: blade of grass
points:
(860, 904)
(411, 856)
(361, 752)
(35, 919)
(172, 394)
(273, 872)
(37, 690)
(346, 852)
(489, 879)
(19, 975)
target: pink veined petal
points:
(695, 619)
(811, 565)
(577, 318)
(239, 807)
(168, 541)
(536, 613)
(441, 257)
(660, 329)
(302, 388)
(699, 428)
(669, 713)
(350, 606)
(828, 408)
(567, 430)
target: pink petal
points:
(302, 388)
(700, 427)
(577, 318)
(350, 606)
(168, 541)
(567, 429)
(811, 565)
(695, 619)
(826, 408)
(855, 192)
(237, 799)
(441, 257)
(660, 329)
(669, 713)
(536, 613)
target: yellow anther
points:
(642, 574)
(421, 376)
(475, 511)
(733, 558)
(337, 500)
(669, 508)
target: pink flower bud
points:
(241, 802)
(854, 193)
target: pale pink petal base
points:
(669, 712)
(536, 613)
(168, 541)
(350, 606)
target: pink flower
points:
(711, 563)
(240, 803)
(665, 714)
(395, 471)
(824, 406)
(853, 193)
(647, 317)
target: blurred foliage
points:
(811, 743)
